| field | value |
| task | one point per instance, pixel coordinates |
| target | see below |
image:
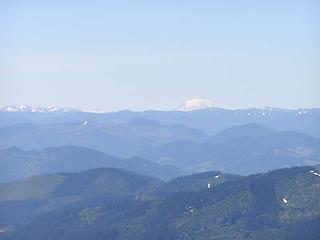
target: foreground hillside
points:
(116, 204)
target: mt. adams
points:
(196, 104)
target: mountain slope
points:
(244, 149)
(16, 163)
(250, 130)
(257, 207)
(195, 182)
(214, 120)
(121, 139)
(86, 183)
(30, 136)
(23, 201)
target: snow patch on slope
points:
(285, 201)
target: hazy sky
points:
(116, 54)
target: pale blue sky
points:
(113, 55)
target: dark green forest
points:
(110, 203)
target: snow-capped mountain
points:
(26, 108)
(196, 104)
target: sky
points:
(116, 54)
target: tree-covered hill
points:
(115, 204)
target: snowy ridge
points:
(26, 108)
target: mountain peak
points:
(196, 104)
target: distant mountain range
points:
(244, 149)
(208, 120)
(116, 204)
(171, 144)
